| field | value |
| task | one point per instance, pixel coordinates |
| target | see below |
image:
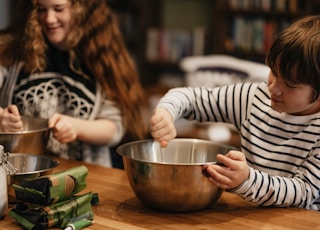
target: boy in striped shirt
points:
(278, 121)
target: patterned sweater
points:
(283, 151)
(60, 89)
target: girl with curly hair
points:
(65, 60)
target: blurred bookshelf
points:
(254, 24)
(159, 33)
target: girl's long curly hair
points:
(95, 40)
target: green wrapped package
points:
(50, 189)
(38, 217)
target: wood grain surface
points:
(120, 209)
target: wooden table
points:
(120, 209)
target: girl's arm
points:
(67, 129)
(105, 127)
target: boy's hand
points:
(162, 127)
(231, 172)
(10, 119)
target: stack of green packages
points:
(50, 201)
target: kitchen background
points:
(161, 34)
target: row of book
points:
(267, 5)
(255, 34)
(169, 45)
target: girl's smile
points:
(55, 19)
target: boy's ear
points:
(316, 96)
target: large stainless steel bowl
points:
(32, 139)
(172, 178)
(28, 166)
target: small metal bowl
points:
(32, 139)
(28, 166)
(172, 178)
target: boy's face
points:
(292, 99)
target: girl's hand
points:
(63, 128)
(162, 127)
(231, 171)
(10, 119)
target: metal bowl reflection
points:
(32, 139)
(172, 178)
(28, 167)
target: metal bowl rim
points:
(26, 131)
(173, 164)
(119, 148)
(55, 163)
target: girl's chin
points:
(54, 39)
(57, 44)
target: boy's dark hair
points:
(295, 54)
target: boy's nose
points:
(274, 87)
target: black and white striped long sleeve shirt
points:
(283, 151)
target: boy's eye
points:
(291, 84)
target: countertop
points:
(120, 209)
